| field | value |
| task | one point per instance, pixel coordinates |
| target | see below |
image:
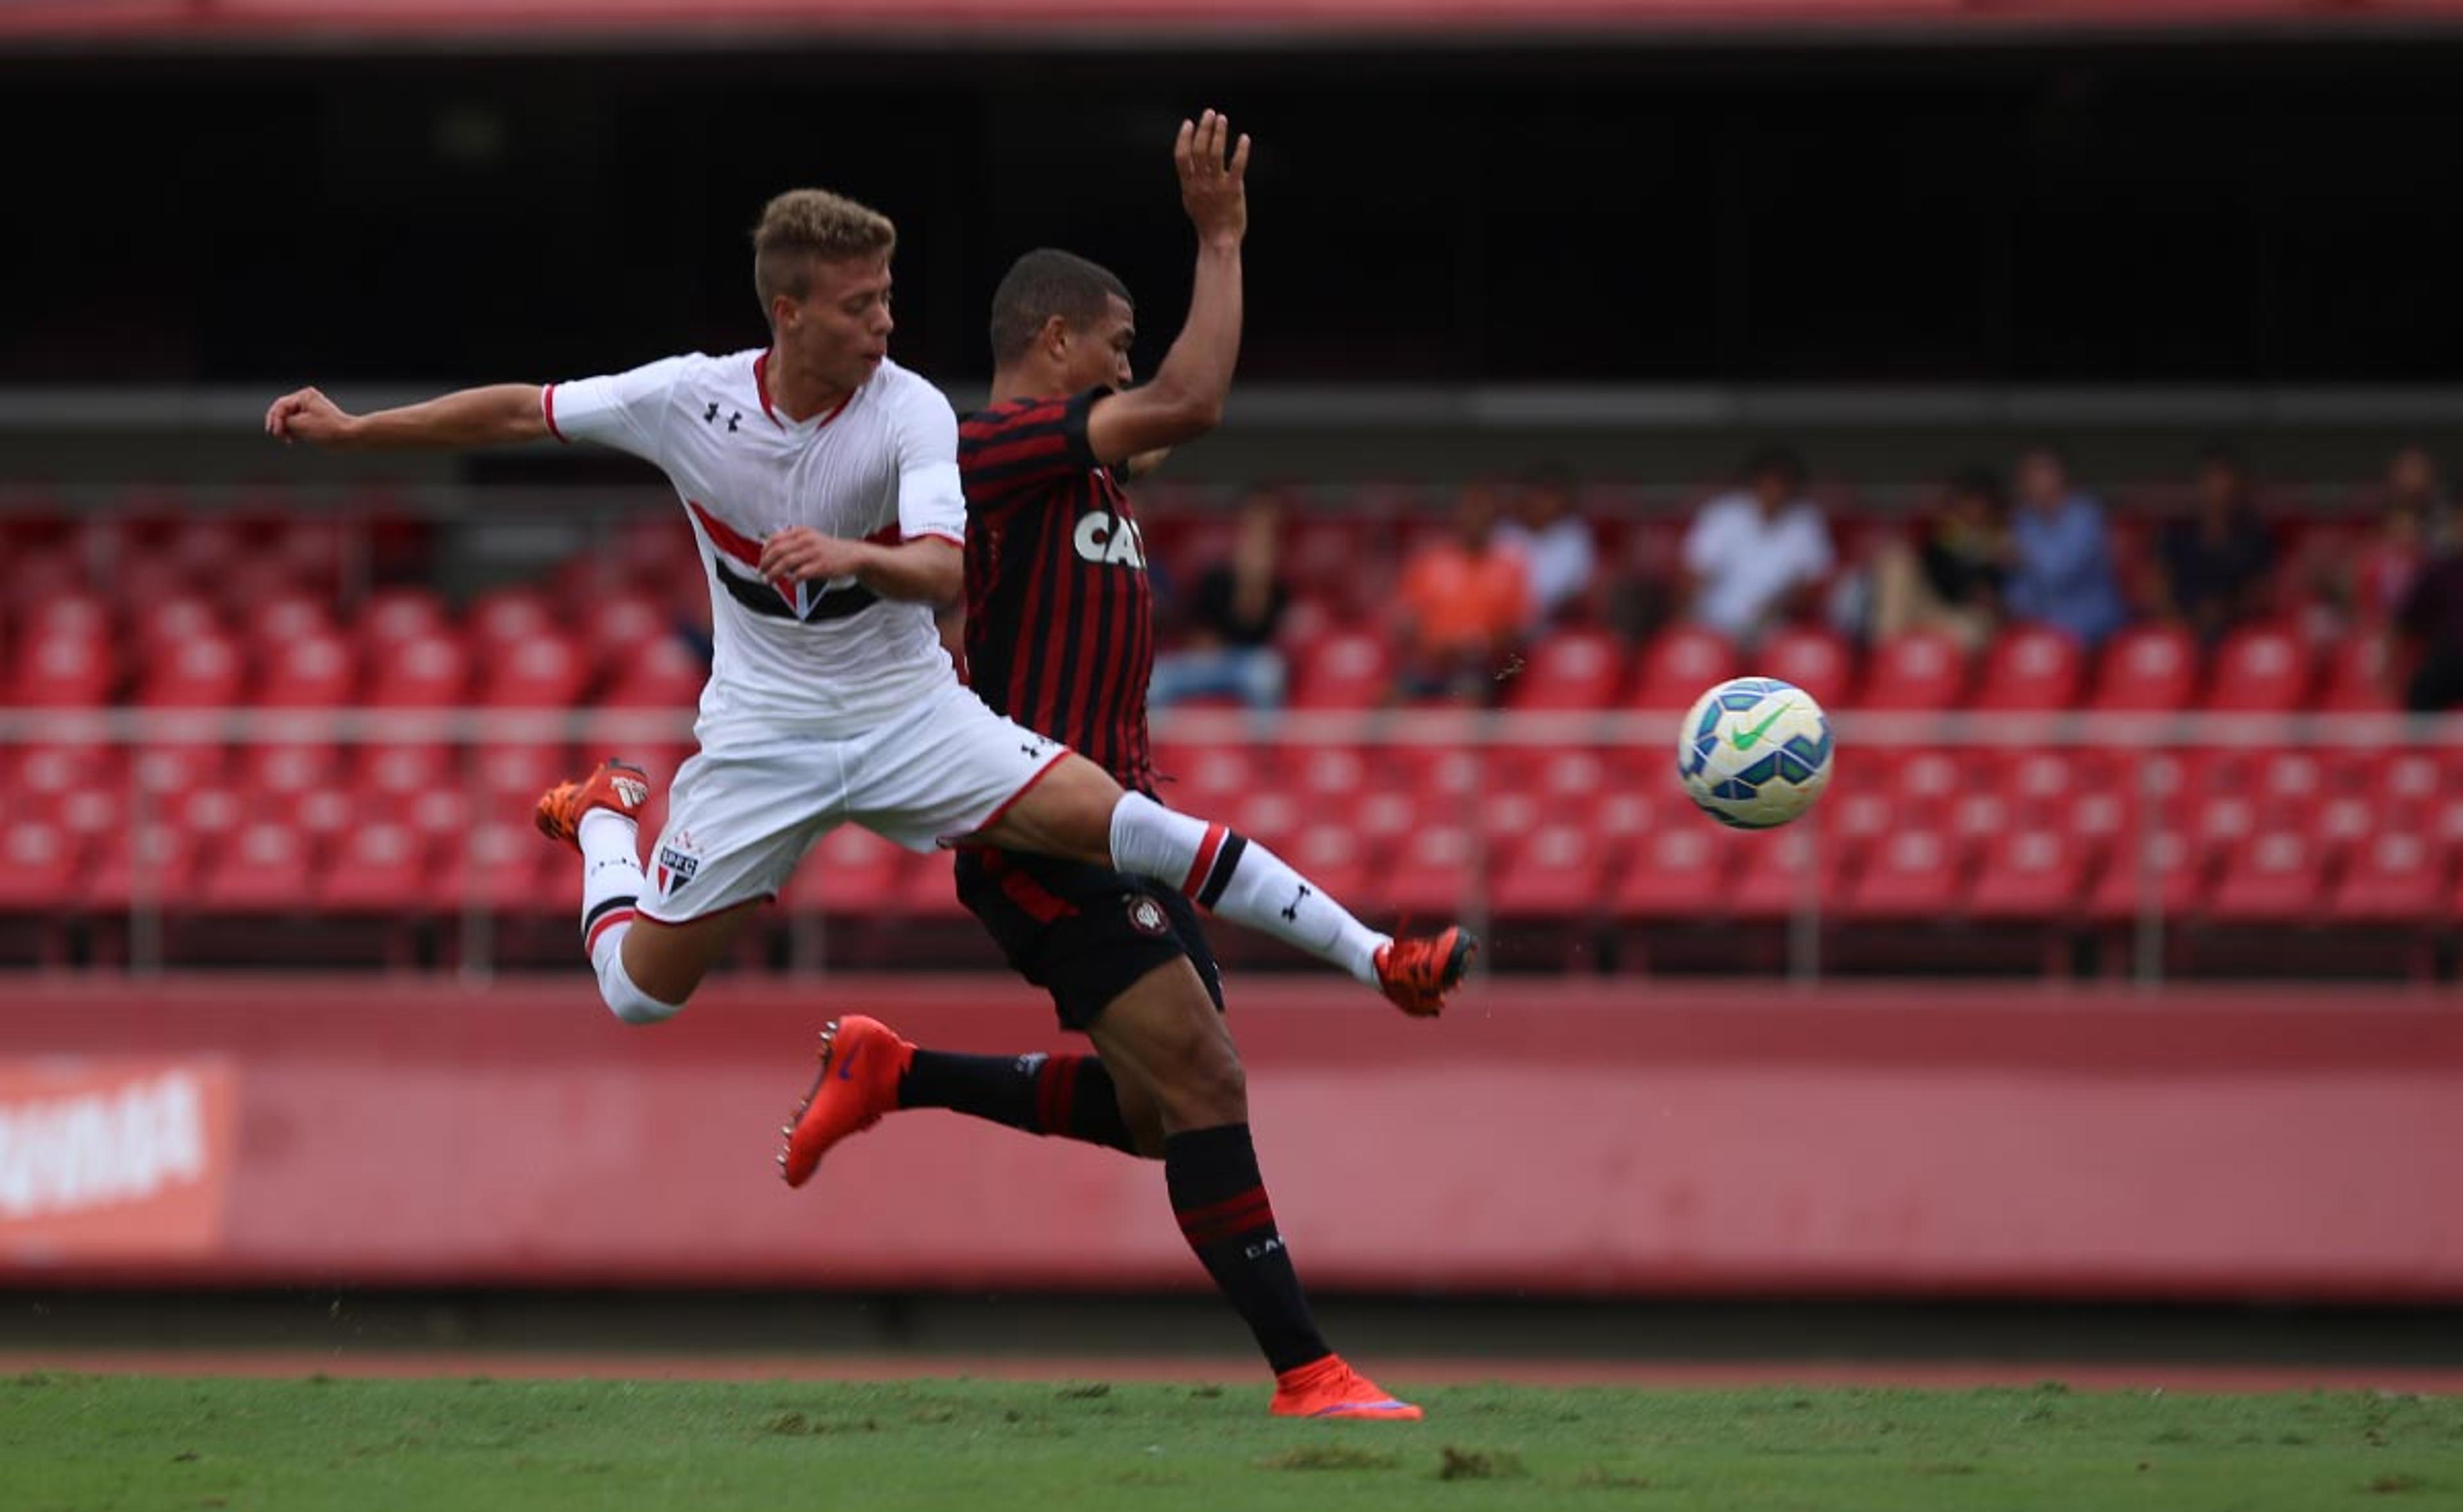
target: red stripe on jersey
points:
(547, 409)
(983, 427)
(1026, 448)
(761, 386)
(743, 548)
(1055, 648)
(1206, 850)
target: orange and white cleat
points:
(1417, 973)
(1329, 1388)
(618, 787)
(862, 1063)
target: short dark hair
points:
(1779, 460)
(1044, 283)
(1978, 482)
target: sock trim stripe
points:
(1234, 1215)
(1201, 869)
(1056, 1094)
(1228, 862)
(1259, 1220)
(619, 901)
(622, 916)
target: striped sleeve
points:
(1009, 453)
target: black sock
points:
(1068, 1096)
(1220, 1200)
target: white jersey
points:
(828, 658)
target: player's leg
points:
(647, 966)
(1079, 811)
(1166, 1037)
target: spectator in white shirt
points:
(1757, 555)
(1555, 543)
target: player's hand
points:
(1212, 188)
(803, 554)
(308, 416)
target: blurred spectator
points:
(1464, 602)
(1950, 577)
(1555, 544)
(1757, 554)
(2215, 561)
(2385, 565)
(2061, 565)
(2429, 621)
(1231, 620)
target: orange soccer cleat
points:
(862, 1063)
(1417, 973)
(618, 787)
(1329, 1388)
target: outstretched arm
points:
(497, 415)
(1184, 401)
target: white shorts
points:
(740, 818)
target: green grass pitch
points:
(91, 1443)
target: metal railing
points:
(1633, 740)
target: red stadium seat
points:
(1822, 663)
(1923, 671)
(2029, 669)
(2146, 669)
(378, 867)
(927, 888)
(2397, 876)
(2121, 890)
(1347, 670)
(1278, 819)
(276, 619)
(849, 872)
(2031, 874)
(40, 866)
(1335, 857)
(1913, 875)
(2276, 876)
(542, 670)
(2345, 821)
(1783, 870)
(1570, 669)
(51, 610)
(63, 671)
(1681, 665)
(156, 862)
(1431, 875)
(1929, 782)
(201, 672)
(2044, 782)
(2221, 821)
(399, 616)
(502, 618)
(313, 669)
(1210, 779)
(1560, 871)
(177, 767)
(2358, 678)
(161, 624)
(662, 673)
(2260, 669)
(394, 771)
(417, 672)
(281, 773)
(1681, 873)
(507, 869)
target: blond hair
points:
(802, 226)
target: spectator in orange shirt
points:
(1463, 603)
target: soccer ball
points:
(1755, 752)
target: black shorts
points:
(1082, 933)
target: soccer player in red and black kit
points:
(1061, 636)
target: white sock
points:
(1236, 878)
(611, 884)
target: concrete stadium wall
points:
(1568, 1139)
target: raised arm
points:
(495, 415)
(1184, 400)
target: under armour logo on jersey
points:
(709, 416)
(1291, 915)
(1103, 540)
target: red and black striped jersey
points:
(1060, 614)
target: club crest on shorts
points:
(1146, 915)
(677, 864)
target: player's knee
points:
(1210, 1086)
(626, 1001)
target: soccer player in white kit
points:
(822, 484)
